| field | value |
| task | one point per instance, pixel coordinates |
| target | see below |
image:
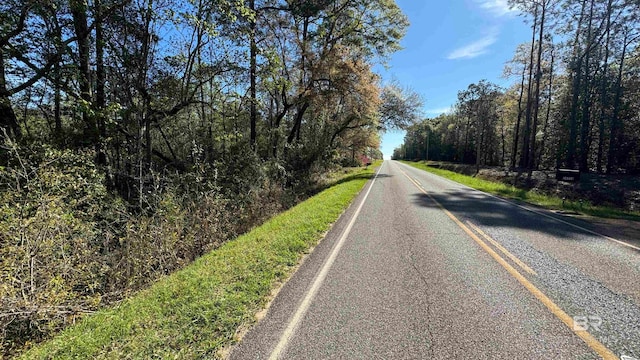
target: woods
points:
(136, 135)
(574, 103)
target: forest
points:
(137, 135)
(574, 102)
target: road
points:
(421, 267)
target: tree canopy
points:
(137, 134)
(574, 103)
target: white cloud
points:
(438, 111)
(475, 48)
(496, 7)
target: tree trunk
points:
(100, 86)
(534, 128)
(585, 138)
(479, 135)
(516, 136)
(604, 100)
(57, 88)
(526, 145)
(146, 114)
(57, 102)
(426, 145)
(79, 13)
(252, 73)
(548, 115)
(615, 126)
(8, 120)
(295, 130)
(576, 73)
(502, 140)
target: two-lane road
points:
(421, 267)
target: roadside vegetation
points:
(137, 136)
(197, 311)
(573, 101)
(534, 197)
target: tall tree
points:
(629, 36)
(526, 142)
(604, 98)
(575, 68)
(531, 158)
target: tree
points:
(479, 103)
(575, 100)
(23, 52)
(400, 107)
(519, 58)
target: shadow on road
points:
(484, 210)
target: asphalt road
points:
(420, 267)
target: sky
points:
(449, 45)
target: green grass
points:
(196, 312)
(529, 196)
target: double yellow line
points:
(591, 341)
(506, 252)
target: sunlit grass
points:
(529, 196)
(196, 312)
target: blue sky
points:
(449, 45)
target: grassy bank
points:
(195, 312)
(529, 196)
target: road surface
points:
(421, 267)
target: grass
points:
(529, 196)
(196, 312)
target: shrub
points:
(52, 270)
(69, 247)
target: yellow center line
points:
(589, 339)
(501, 248)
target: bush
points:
(69, 247)
(52, 269)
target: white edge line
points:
(539, 213)
(311, 293)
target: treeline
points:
(137, 134)
(575, 102)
